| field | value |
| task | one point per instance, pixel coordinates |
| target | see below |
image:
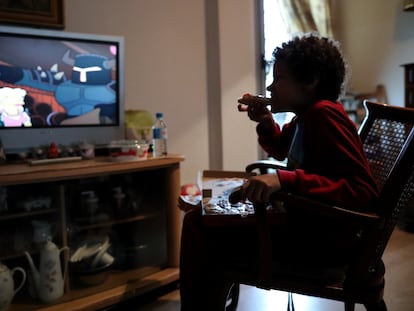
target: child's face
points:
(286, 92)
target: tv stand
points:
(150, 217)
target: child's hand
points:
(258, 189)
(256, 107)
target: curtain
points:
(302, 16)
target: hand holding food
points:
(256, 107)
(249, 99)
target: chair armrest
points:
(264, 165)
(297, 201)
(301, 202)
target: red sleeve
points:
(335, 169)
(277, 142)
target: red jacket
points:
(325, 157)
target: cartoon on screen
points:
(58, 83)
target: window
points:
(274, 33)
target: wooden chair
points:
(387, 134)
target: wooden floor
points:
(399, 288)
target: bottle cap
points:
(159, 115)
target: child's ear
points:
(312, 84)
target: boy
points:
(326, 162)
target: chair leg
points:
(349, 306)
(232, 299)
(290, 306)
(379, 306)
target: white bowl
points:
(128, 150)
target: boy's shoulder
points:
(324, 110)
(326, 106)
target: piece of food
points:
(249, 98)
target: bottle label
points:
(160, 133)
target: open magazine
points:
(216, 187)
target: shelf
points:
(24, 173)
(125, 285)
(82, 226)
(26, 214)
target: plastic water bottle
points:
(159, 136)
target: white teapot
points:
(7, 288)
(48, 279)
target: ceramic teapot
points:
(48, 280)
(7, 286)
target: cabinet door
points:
(116, 223)
(29, 216)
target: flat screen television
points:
(60, 87)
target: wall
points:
(165, 63)
(239, 60)
(166, 70)
(377, 37)
(192, 59)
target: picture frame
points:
(35, 13)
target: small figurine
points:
(53, 151)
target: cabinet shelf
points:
(10, 255)
(11, 216)
(83, 224)
(144, 238)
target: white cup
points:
(42, 232)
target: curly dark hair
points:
(311, 57)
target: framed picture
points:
(36, 13)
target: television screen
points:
(59, 87)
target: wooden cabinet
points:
(409, 85)
(143, 228)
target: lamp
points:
(408, 5)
